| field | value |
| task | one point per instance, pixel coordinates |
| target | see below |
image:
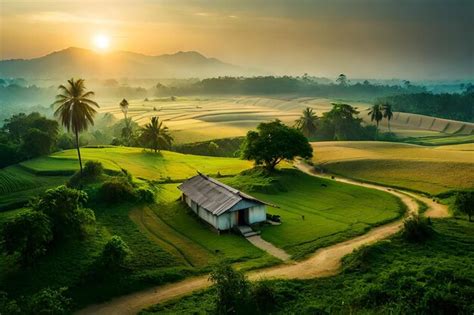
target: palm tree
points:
(376, 114)
(387, 113)
(155, 135)
(127, 130)
(75, 109)
(124, 108)
(308, 122)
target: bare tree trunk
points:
(78, 151)
(389, 130)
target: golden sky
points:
(362, 38)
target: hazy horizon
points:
(363, 39)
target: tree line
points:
(449, 106)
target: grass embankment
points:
(391, 277)
(432, 170)
(316, 212)
(162, 166)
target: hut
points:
(220, 205)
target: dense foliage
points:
(391, 277)
(464, 203)
(28, 235)
(450, 106)
(274, 142)
(227, 147)
(65, 207)
(25, 136)
(45, 302)
(115, 252)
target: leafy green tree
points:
(48, 302)
(115, 252)
(29, 235)
(342, 123)
(376, 113)
(464, 203)
(64, 206)
(75, 109)
(7, 305)
(308, 122)
(387, 113)
(156, 136)
(36, 143)
(232, 289)
(274, 142)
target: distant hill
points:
(79, 62)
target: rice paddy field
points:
(433, 170)
(193, 119)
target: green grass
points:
(145, 164)
(332, 211)
(391, 277)
(17, 185)
(432, 170)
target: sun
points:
(101, 42)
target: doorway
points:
(242, 217)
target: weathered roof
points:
(213, 195)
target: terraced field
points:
(194, 119)
(157, 166)
(433, 170)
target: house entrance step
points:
(247, 231)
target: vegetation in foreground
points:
(395, 276)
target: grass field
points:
(391, 277)
(157, 166)
(433, 170)
(193, 119)
(316, 212)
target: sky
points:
(416, 39)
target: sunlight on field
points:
(429, 169)
(159, 166)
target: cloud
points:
(63, 17)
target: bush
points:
(264, 296)
(29, 235)
(417, 228)
(232, 289)
(145, 195)
(48, 302)
(115, 252)
(92, 169)
(8, 306)
(115, 190)
(64, 206)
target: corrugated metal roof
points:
(213, 195)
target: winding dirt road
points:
(324, 262)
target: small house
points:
(220, 205)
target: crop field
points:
(432, 170)
(17, 185)
(193, 119)
(316, 212)
(164, 165)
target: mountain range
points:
(85, 63)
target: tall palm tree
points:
(308, 122)
(75, 109)
(127, 130)
(124, 108)
(376, 114)
(387, 113)
(156, 136)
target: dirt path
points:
(259, 242)
(324, 262)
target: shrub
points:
(8, 306)
(29, 235)
(417, 228)
(92, 169)
(464, 203)
(232, 289)
(48, 302)
(116, 189)
(145, 195)
(264, 296)
(115, 252)
(64, 207)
